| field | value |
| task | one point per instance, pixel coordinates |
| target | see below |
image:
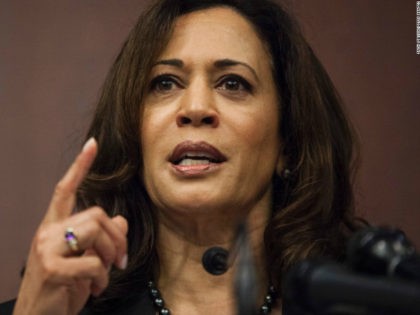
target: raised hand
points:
(60, 276)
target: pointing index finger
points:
(64, 196)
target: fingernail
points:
(88, 143)
(123, 263)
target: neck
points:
(182, 243)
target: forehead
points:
(216, 33)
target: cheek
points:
(260, 128)
(152, 122)
(149, 132)
(262, 140)
(146, 146)
(155, 125)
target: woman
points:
(215, 113)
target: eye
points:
(164, 83)
(234, 84)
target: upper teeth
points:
(196, 155)
(196, 161)
(195, 158)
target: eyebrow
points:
(170, 62)
(221, 64)
(225, 63)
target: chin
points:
(199, 204)
(196, 204)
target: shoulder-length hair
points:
(312, 211)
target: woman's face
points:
(209, 130)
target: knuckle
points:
(109, 255)
(60, 188)
(97, 266)
(106, 248)
(49, 268)
(93, 228)
(99, 271)
(97, 212)
(40, 237)
(38, 249)
(39, 242)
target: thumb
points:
(121, 222)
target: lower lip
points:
(195, 170)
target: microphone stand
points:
(217, 260)
(245, 277)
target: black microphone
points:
(383, 251)
(245, 282)
(328, 288)
(215, 260)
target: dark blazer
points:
(138, 305)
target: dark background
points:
(54, 56)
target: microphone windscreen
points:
(378, 251)
(215, 260)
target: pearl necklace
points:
(159, 304)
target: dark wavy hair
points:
(313, 205)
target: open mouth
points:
(196, 159)
(190, 153)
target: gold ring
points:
(71, 240)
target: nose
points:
(197, 108)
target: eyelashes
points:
(164, 83)
(234, 83)
(231, 84)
